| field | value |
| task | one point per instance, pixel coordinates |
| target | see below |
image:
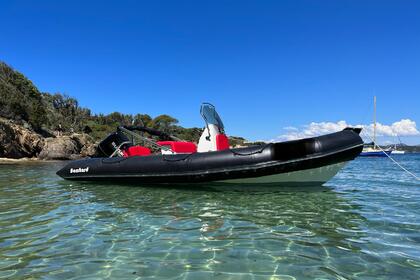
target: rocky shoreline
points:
(20, 142)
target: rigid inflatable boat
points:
(302, 162)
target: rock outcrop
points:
(17, 141)
(67, 147)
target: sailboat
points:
(371, 149)
(395, 151)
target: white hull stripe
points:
(315, 175)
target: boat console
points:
(213, 138)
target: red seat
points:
(222, 142)
(136, 151)
(181, 147)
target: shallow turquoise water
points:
(364, 224)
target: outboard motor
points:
(213, 137)
(114, 144)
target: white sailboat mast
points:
(374, 122)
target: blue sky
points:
(266, 65)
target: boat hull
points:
(375, 154)
(312, 177)
(313, 160)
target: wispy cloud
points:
(404, 127)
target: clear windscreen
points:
(210, 116)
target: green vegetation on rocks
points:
(19, 99)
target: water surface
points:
(364, 224)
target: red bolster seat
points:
(136, 151)
(222, 142)
(181, 147)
